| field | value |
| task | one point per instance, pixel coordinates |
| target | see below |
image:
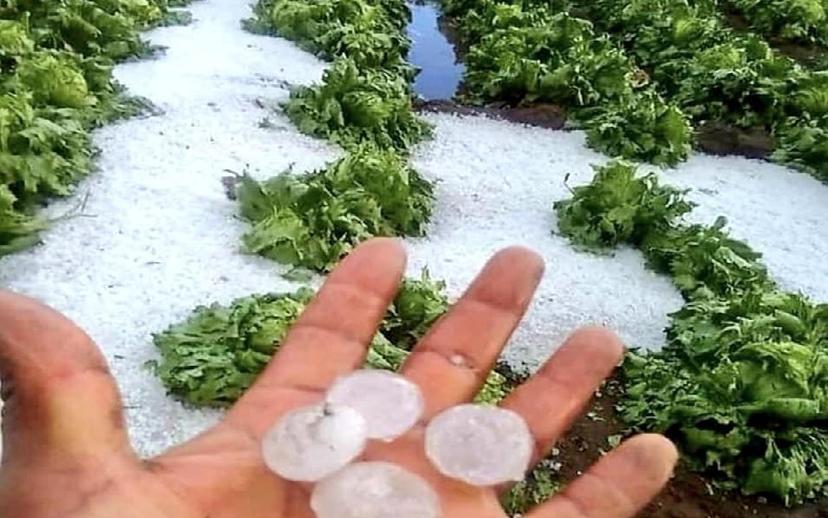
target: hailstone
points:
(311, 442)
(480, 445)
(390, 404)
(374, 490)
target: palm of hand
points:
(67, 455)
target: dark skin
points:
(66, 453)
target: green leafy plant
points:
(739, 81)
(558, 59)
(641, 127)
(103, 28)
(18, 230)
(418, 305)
(217, 352)
(214, 356)
(482, 17)
(354, 106)
(795, 20)
(618, 207)
(522, 52)
(704, 260)
(743, 386)
(539, 485)
(804, 145)
(313, 220)
(55, 80)
(56, 84)
(367, 32)
(714, 73)
(742, 383)
(41, 154)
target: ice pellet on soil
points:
(374, 490)
(480, 445)
(390, 404)
(311, 442)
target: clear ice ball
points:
(480, 445)
(374, 490)
(390, 403)
(311, 442)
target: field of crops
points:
(179, 178)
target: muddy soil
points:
(688, 495)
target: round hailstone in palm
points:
(374, 490)
(390, 404)
(311, 442)
(478, 444)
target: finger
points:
(619, 485)
(556, 395)
(330, 338)
(461, 348)
(60, 399)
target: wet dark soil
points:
(718, 138)
(540, 115)
(688, 495)
(715, 138)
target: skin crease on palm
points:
(66, 453)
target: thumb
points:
(61, 402)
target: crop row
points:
(635, 72)
(742, 384)
(798, 21)
(364, 103)
(56, 84)
(214, 356)
(718, 74)
(526, 53)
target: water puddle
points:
(433, 54)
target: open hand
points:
(66, 452)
